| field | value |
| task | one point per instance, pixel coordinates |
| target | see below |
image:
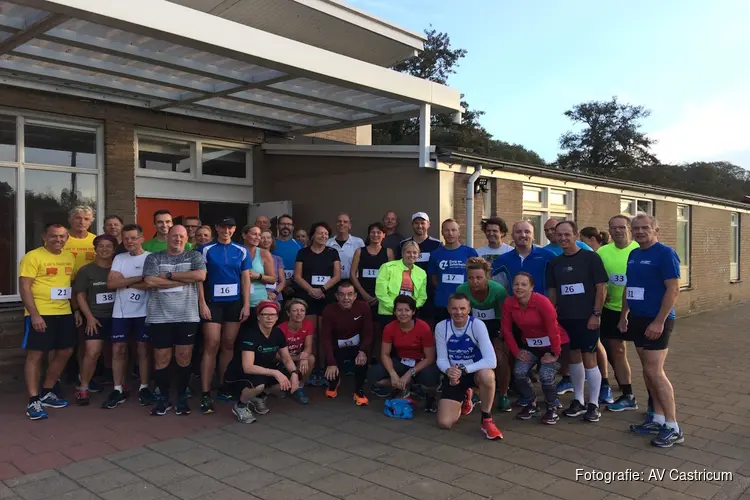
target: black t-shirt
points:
(252, 339)
(369, 265)
(317, 268)
(574, 278)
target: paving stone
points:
(370, 450)
(197, 455)
(295, 445)
(194, 487)
(227, 494)
(392, 477)
(140, 491)
(324, 455)
(306, 472)
(86, 468)
(251, 480)
(441, 471)
(223, 467)
(357, 466)
(144, 461)
(481, 484)
(531, 478)
(428, 489)
(51, 485)
(6, 492)
(340, 484)
(375, 492)
(108, 480)
(168, 474)
(571, 490)
(286, 490)
(404, 459)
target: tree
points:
(610, 140)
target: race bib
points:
(572, 289)
(105, 298)
(618, 279)
(60, 293)
(411, 363)
(483, 313)
(456, 279)
(288, 274)
(424, 257)
(350, 342)
(229, 290)
(135, 296)
(172, 290)
(271, 287)
(634, 293)
(408, 293)
(320, 280)
(538, 342)
(370, 273)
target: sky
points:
(688, 61)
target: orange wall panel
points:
(145, 208)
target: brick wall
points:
(594, 208)
(509, 201)
(666, 213)
(119, 175)
(346, 135)
(459, 209)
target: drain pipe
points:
(470, 205)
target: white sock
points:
(118, 388)
(674, 426)
(578, 377)
(594, 378)
(83, 388)
(659, 419)
(143, 386)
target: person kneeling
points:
(407, 353)
(467, 358)
(254, 367)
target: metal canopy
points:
(162, 56)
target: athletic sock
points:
(627, 390)
(674, 426)
(605, 381)
(143, 386)
(486, 414)
(118, 388)
(183, 379)
(659, 419)
(46, 390)
(565, 378)
(360, 374)
(578, 377)
(594, 378)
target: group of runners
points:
(406, 316)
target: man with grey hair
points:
(392, 238)
(651, 291)
(80, 240)
(344, 243)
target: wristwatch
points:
(596, 314)
(412, 372)
(169, 276)
(463, 369)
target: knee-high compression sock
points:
(183, 379)
(594, 378)
(578, 376)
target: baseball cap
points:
(227, 221)
(420, 215)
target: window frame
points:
(196, 158)
(635, 201)
(544, 208)
(735, 226)
(51, 121)
(687, 220)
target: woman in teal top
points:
(486, 297)
(262, 270)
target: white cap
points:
(420, 215)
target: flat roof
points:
(329, 24)
(166, 57)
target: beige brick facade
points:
(594, 208)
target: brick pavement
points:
(332, 449)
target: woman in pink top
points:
(535, 317)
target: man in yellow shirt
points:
(80, 241)
(45, 282)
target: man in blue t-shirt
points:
(651, 291)
(525, 257)
(447, 267)
(549, 232)
(286, 246)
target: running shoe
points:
(52, 400)
(648, 426)
(158, 396)
(592, 413)
(576, 409)
(522, 402)
(564, 386)
(57, 389)
(35, 410)
(188, 393)
(207, 405)
(115, 398)
(380, 391)
(528, 412)
(359, 398)
(550, 417)
(333, 391)
(468, 404)
(145, 397)
(259, 405)
(161, 408)
(503, 404)
(605, 395)
(94, 386)
(243, 414)
(430, 406)
(82, 397)
(490, 430)
(300, 396)
(624, 403)
(182, 407)
(668, 437)
(558, 405)
(418, 391)
(224, 395)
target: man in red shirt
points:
(346, 334)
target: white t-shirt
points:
(490, 254)
(130, 302)
(346, 253)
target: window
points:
(181, 157)
(543, 203)
(635, 206)
(56, 165)
(683, 242)
(734, 247)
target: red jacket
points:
(539, 319)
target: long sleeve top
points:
(469, 345)
(538, 320)
(346, 328)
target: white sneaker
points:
(244, 415)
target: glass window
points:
(633, 207)
(544, 203)
(626, 206)
(224, 162)
(683, 242)
(532, 195)
(49, 197)
(536, 221)
(8, 231)
(559, 198)
(734, 246)
(7, 138)
(164, 155)
(645, 206)
(49, 145)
